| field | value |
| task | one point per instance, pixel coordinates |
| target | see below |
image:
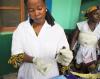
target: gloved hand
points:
(64, 57)
(41, 66)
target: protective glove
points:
(64, 57)
(41, 66)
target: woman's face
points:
(37, 10)
(96, 15)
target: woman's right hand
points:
(41, 66)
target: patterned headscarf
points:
(91, 9)
(88, 11)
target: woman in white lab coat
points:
(36, 42)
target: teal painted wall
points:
(66, 12)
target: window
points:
(11, 14)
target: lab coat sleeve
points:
(17, 46)
(63, 42)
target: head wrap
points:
(88, 11)
(91, 9)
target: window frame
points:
(21, 17)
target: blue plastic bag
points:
(70, 76)
(59, 77)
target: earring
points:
(46, 9)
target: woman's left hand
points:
(64, 57)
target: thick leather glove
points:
(41, 66)
(64, 57)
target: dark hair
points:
(48, 16)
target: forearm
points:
(74, 44)
(74, 39)
(27, 58)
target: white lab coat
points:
(45, 46)
(87, 53)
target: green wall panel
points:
(5, 52)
